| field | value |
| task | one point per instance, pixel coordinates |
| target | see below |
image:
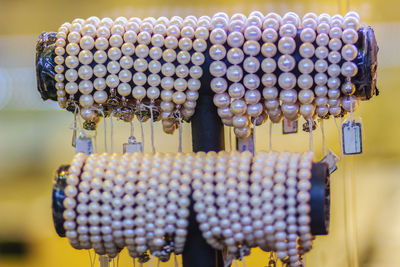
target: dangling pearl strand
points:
(270, 92)
(303, 198)
(71, 193)
(306, 66)
(349, 52)
(286, 63)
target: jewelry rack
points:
(208, 135)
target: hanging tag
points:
(132, 146)
(289, 127)
(331, 159)
(84, 144)
(245, 144)
(351, 138)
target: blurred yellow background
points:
(35, 137)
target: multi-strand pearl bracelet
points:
(126, 67)
(141, 201)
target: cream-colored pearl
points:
(86, 101)
(155, 53)
(221, 100)
(323, 28)
(348, 88)
(183, 57)
(306, 66)
(139, 92)
(307, 50)
(333, 83)
(286, 45)
(217, 68)
(321, 52)
(252, 33)
(196, 72)
(251, 48)
(351, 22)
(201, 33)
(242, 132)
(238, 107)
(169, 55)
(101, 43)
(100, 97)
(251, 81)
(320, 78)
(225, 113)
(153, 92)
(270, 93)
(334, 70)
(236, 90)
(139, 78)
(286, 63)
(86, 87)
(71, 75)
(269, 79)
(235, 73)
(268, 65)
(124, 89)
(217, 52)
(350, 103)
(349, 69)
(309, 23)
(350, 36)
(114, 53)
(142, 50)
(252, 96)
(180, 84)
(71, 88)
(251, 64)
(99, 84)
(334, 57)
(140, 64)
(112, 81)
(306, 96)
(85, 72)
(100, 56)
(153, 79)
(305, 81)
(154, 66)
(349, 52)
(288, 96)
(113, 67)
(321, 65)
(235, 55)
(271, 23)
(199, 45)
(322, 111)
(240, 121)
(85, 57)
(168, 69)
(87, 114)
(287, 80)
(218, 85)
(307, 110)
(321, 101)
(322, 39)
(288, 30)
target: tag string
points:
(176, 261)
(105, 129)
(310, 128)
(323, 136)
(142, 132)
(112, 132)
(270, 136)
(254, 136)
(230, 138)
(151, 126)
(339, 136)
(180, 133)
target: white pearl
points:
(321, 65)
(307, 50)
(349, 52)
(222, 100)
(305, 81)
(321, 52)
(100, 97)
(286, 45)
(288, 96)
(286, 63)
(252, 96)
(287, 80)
(238, 107)
(306, 66)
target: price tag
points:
(84, 145)
(132, 146)
(289, 127)
(331, 159)
(351, 138)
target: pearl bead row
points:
(323, 30)
(141, 201)
(118, 64)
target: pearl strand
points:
(349, 52)
(71, 193)
(286, 64)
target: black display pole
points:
(207, 135)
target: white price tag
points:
(133, 148)
(84, 145)
(351, 138)
(289, 127)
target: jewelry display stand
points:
(208, 135)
